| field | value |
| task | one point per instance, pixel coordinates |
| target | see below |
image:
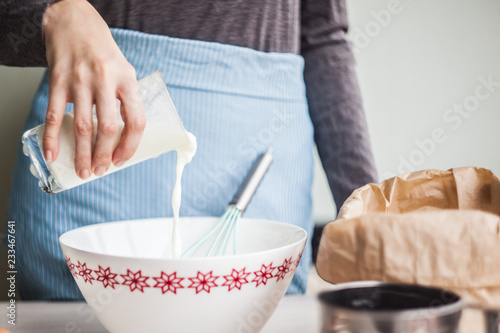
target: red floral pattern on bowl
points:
(170, 282)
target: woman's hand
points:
(86, 67)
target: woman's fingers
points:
(107, 130)
(110, 146)
(132, 112)
(53, 121)
(84, 128)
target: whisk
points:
(218, 237)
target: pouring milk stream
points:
(164, 132)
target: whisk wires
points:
(221, 233)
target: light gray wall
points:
(413, 68)
(17, 87)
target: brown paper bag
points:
(432, 227)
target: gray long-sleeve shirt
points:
(316, 29)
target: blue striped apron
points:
(235, 100)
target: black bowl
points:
(366, 307)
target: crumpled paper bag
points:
(432, 227)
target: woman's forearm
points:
(334, 98)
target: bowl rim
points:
(63, 243)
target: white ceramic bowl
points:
(124, 272)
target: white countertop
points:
(295, 314)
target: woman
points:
(236, 72)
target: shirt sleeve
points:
(334, 98)
(21, 32)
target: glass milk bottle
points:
(164, 132)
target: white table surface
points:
(295, 314)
